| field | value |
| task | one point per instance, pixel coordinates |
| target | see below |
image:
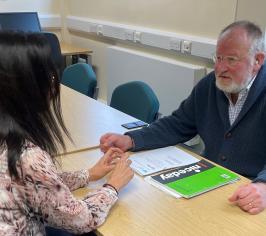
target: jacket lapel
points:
(256, 89)
(222, 104)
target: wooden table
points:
(69, 49)
(87, 119)
(75, 51)
(145, 210)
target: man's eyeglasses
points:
(229, 60)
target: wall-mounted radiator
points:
(172, 81)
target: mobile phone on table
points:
(135, 124)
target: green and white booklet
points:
(193, 179)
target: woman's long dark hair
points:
(29, 96)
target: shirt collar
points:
(251, 82)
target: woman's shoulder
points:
(34, 159)
(32, 152)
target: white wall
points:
(42, 6)
(203, 18)
(252, 10)
(197, 17)
(51, 10)
(192, 17)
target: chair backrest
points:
(56, 50)
(80, 77)
(136, 99)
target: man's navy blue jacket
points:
(240, 147)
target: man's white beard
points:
(233, 87)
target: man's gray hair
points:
(254, 32)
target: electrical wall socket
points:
(137, 37)
(196, 46)
(186, 46)
(129, 35)
(175, 44)
(99, 30)
(93, 28)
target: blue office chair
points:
(55, 50)
(136, 99)
(81, 78)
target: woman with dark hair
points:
(33, 193)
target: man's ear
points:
(259, 61)
(260, 57)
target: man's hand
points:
(250, 198)
(109, 140)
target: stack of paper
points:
(152, 161)
(179, 172)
